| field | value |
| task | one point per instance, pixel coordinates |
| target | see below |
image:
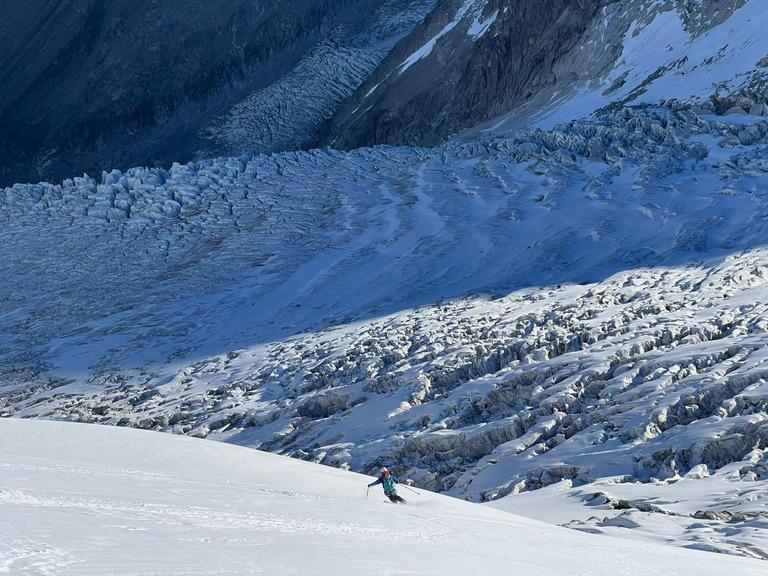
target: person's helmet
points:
(384, 471)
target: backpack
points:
(388, 483)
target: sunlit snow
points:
(78, 499)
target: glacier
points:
(493, 317)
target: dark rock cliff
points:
(462, 81)
(473, 61)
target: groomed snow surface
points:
(84, 499)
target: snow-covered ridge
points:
(581, 304)
(647, 51)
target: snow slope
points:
(661, 59)
(79, 499)
(707, 54)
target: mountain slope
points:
(99, 500)
(513, 64)
(569, 314)
(469, 61)
(89, 84)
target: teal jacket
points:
(388, 482)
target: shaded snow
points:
(478, 28)
(469, 5)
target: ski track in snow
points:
(554, 308)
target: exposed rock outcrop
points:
(443, 79)
(475, 60)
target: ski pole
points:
(366, 492)
(411, 489)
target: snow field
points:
(78, 499)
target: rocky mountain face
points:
(475, 60)
(118, 83)
(468, 62)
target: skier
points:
(388, 483)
